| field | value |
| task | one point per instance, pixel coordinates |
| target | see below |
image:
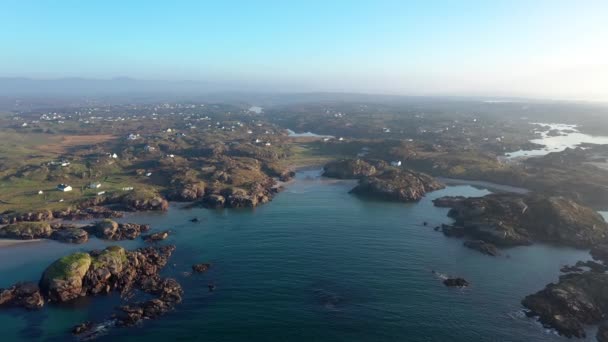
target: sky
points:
(529, 48)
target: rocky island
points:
(508, 219)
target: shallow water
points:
(316, 264)
(558, 143)
(307, 135)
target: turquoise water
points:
(316, 264)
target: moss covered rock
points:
(26, 230)
(106, 268)
(63, 279)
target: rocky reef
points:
(515, 219)
(576, 300)
(482, 247)
(26, 231)
(397, 185)
(111, 230)
(26, 295)
(101, 272)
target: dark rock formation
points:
(157, 236)
(200, 268)
(111, 230)
(397, 185)
(455, 282)
(577, 299)
(187, 191)
(516, 219)
(600, 252)
(213, 201)
(70, 235)
(142, 200)
(602, 332)
(348, 169)
(25, 295)
(482, 246)
(452, 231)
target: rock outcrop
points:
(516, 219)
(143, 200)
(576, 300)
(349, 169)
(26, 231)
(26, 295)
(70, 235)
(62, 280)
(101, 272)
(157, 236)
(397, 185)
(201, 268)
(456, 282)
(187, 191)
(111, 230)
(482, 246)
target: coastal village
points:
(96, 163)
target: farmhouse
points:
(64, 187)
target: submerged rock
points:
(200, 268)
(482, 246)
(455, 282)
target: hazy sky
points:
(548, 48)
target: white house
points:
(133, 136)
(64, 187)
(40, 192)
(114, 156)
(94, 185)
(396, 163)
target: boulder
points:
(62, 280)
(156, 236)
(70, 235)
(200, 268)
(26, 295)
(111, 230)
(455, 282)
(106, 267)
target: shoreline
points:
(488, 185)
(10, 242)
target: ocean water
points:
(571, 139)
(316, 264)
